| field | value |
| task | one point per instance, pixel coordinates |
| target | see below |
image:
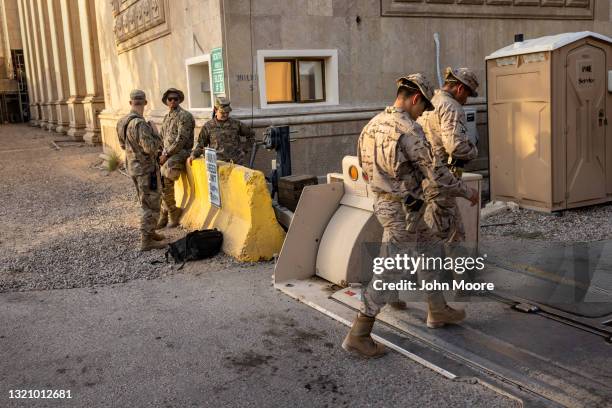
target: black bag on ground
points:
(196, 245)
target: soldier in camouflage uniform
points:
(231, 138)
(141, 144)
(177, 134)
(446, 131)
(396, 157)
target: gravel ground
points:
(592, 223)
(68, 224)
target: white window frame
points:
(195, 61)
(331, 76)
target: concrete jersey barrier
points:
(246, 218)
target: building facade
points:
(14, 106)
(323, 67)
(62, 61)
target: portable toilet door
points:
(548, 107)
(586, 131)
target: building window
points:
(297, 80)
(295, 77)
(199, 95)
(280, 82)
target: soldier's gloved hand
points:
(475, 197)
(162, 159)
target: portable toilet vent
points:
(549, 101)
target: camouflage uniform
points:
(397, 159)
(446, 131)
(141, 145)
(177, 133)
(231, 138)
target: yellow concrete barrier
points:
(246, 217)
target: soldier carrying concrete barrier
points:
(396, 157)
(231, 138)
(177, 134)
(141, 144)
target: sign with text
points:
(218, 74)
(214, 194)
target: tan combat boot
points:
(147, 243)
(157, 237)
(163, 219)
(359, 341)
(175, 217)
(440, 314)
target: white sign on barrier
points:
(214, 194)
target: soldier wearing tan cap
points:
(177, 134)
(446, 130)
(141, 144)
(396, 158)
(231, 138)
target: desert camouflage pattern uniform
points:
(141, 145)
(177, 134)
(446, 131)
(396, 157)
(231, 138)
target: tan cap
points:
(464, 75)
(421, 82)
(173, 91)
(137, 94)
(223, 104)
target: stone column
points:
(34, 24)
(74, 67)
(30, 18)
(59, 61)
(94, 101)
(48, 64)
(29, 63)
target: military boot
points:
(175, 217)
(440, 314)
(157, 237)
(163, 219)
(359, 341)
(147, 243)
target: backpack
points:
(195, 245)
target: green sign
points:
(218, 76)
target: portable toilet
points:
(549, 100)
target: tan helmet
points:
(223, 104)
(138, 95)
(464, 75)
(173, 91)
(421, 82)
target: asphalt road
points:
(214, 335)
(223, 338)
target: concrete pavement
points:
(222, 338)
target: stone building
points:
(324, 67)
(13, 83)
(60, 45)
